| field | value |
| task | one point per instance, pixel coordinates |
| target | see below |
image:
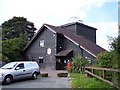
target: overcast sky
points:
(101, 14)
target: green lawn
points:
(82, 81)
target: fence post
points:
(92, 70)
(103, 73)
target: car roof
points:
(22, 62)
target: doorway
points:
(61, 64)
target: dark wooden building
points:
(53, 46)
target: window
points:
(65, 61)
(21, 66)
(58, 60)
(41, 44)
(40, 59)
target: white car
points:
(19, 70)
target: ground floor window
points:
(65, 61)
(40, 59)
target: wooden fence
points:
(90, 71)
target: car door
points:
(19, 71)
(28, 69)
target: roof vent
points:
(75, 19)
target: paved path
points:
(53, 73)
(52, 81)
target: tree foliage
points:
(15, 34)
(17, 26)
(110, 59)
(105, 59)
(115, 44)
(12, 49)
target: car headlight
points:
(1, 74)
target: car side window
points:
(21, 66)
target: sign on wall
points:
(49, 50)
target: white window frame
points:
(42, 43)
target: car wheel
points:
(34, 76)
(8, 80)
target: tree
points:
(17, 26)
(12, 48)
(15, 34)
(110, 59)
(115, 45)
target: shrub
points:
(109, 60)
(104, 59)
(78, 63)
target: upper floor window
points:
(42, 42)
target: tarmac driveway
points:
(52, 81)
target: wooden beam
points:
(107, 69)
(100, 78)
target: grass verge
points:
(82, 81)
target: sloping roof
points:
(82, 42)
(64, 53)
(33, 38)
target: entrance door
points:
(61, 64)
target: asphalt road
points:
(42, 82)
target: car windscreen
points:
(9, 65)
